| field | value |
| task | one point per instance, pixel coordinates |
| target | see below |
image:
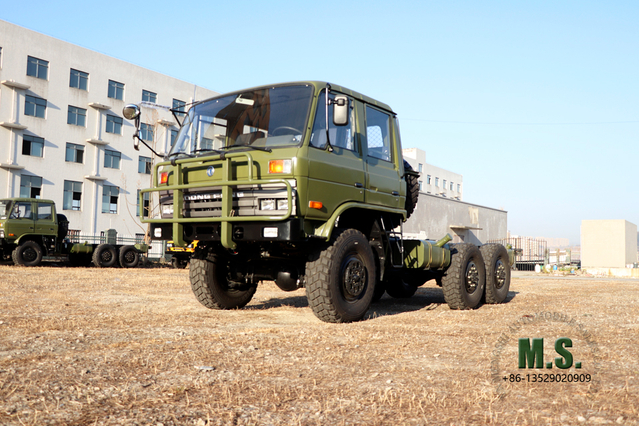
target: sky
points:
(536, 104)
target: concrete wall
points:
(17, 43)
(436, 216)
(608, 243)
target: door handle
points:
(395, 193)
(358, 185)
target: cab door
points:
(338, 176)
(384, 179)
(21, 219)
(45, 223)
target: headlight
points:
(267, 204)
(282, 204)
(167, 209)
(2, 233)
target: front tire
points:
(28, 253)
(211, 286)
(497, 272)
(341, 281)
(465, 279)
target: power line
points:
(519, 124)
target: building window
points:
(146, 204)
(79, 80)
(452, 186)
(427, 179)
(179, 105)
(77, 116)
(420, 167)
(437, 182)
(32, 145)
(144, 165)
(420, 185)
(72, 195)
(149, 96)
(146, 132)
(112, 159)
(30, 186)
(75, 153)
(458, 188)
(173, 136)
(38, 68)
(114, 124)
(116, 90)
(34, 107)
(444, 186)
(110, 199)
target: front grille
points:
(246, 201)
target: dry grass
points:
(93, 346)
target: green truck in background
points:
(305, 184)
(31, 232)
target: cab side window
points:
(21, 210)
(378, 134)
(340, 136)
(45, 211)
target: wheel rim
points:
(29, 255)
(500, 274)
(353, 278)
(129, 256)
(106, 256)
(472, 277)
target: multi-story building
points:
(434, 180)
(62, 133)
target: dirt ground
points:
(83, 346)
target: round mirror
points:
(131, 111)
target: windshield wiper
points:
(258, 148)
(206, 150)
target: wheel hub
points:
(472, 277)
(500, 274)
(354, 278)
(29, 255)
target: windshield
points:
(5, 208)
(263, 118)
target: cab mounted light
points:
(315, 205)
(280, 166)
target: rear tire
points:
(104, 256)
(341, 281)
(28, 253)
(497, 272)
(210, 284)
(129, 257)
(465, 279)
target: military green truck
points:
(31, 232)
(304, 184)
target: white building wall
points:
(16, 45)
(435, 180)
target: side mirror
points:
(340, 110)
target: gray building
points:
(62, 134)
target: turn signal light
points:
(315, 205)
(164, 177)
(279, 166)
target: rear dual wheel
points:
(497, 272)
(465, 279)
